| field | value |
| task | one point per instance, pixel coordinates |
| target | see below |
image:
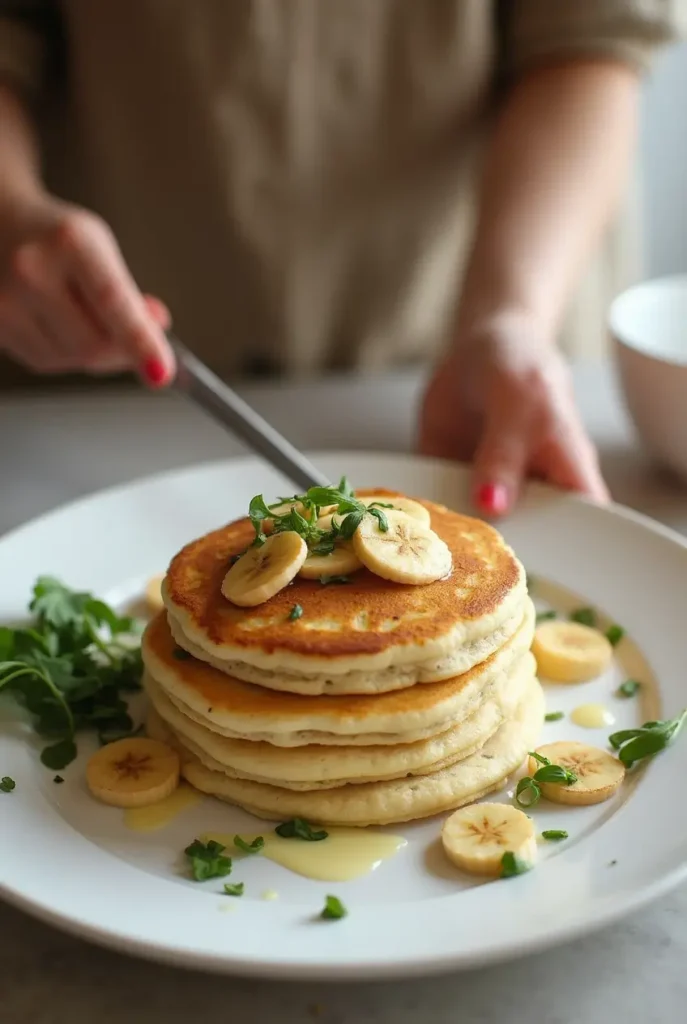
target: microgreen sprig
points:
(634, 745)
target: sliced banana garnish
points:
(263, 571)
(154, 594)
(133, 772)
(475, 838)
(568, 652)
(407, 552)
(599, 774)
(340, 562)
(411, 508)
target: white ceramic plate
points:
(71, 861)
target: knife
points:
(197, 381)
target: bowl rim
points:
(627, 339)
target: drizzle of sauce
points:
(271, 894)
(592, 716)
(345, 854)
(156, 816)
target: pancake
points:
(365, 626)
(237, 709)
(380, 803)
(321, 767)
(396, 677)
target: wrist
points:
(501, 324)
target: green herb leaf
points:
(546, 616)
(351, 523)
(58, 779)
(59, 755)
(539, 757)
(382, 521)
(296, 828)
(207, 860)
(512, 865)
(585, 616)
(527, 792)
(628, 689)
(326, 580)
(254, 847)
(234, 888)
(554, 834)
(333, 909)
(554, 716)
(636, 744)
(295, 613)
(614, 634)
(7, 784)
(556, 774)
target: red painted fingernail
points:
(493, 498)
(155, 372)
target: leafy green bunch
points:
(70, 668)
(341, 500)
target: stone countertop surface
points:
(58, 447)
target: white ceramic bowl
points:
(648, 324)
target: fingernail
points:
(155, 372)
(493, 498)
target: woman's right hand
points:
(68, 301)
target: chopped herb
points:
(234, 888)
(636, 744)
(554, 834)
(180, 654)
(247, 847)
(512, 865)
(539, 757)
(546, 616)
(207, 860)
(555, 774)
(554, 716)
(296, 828)
(7, 784)
(58, 779)
(324, 580)
(70, 668)
(628, 689)
(614, 635)
(527, 792)
(585, 616)
(333, 909)
(295, 613)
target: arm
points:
(67, 299)
(555, 170)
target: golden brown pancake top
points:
(370, 614)
(223, 692)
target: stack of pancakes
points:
(380, 703)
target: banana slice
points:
(475, 838)
(154, 594)
(407, 553)
(263, 571)
(599, 774)
(568, 652)
(133, 772)
(411, 508)
(340, 562)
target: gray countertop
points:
(59, 447)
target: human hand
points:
(503, 399)
(68, 301)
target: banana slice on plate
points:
(568, 652)
(475, 838)
(407, 552)
(133, 772)
(154, 594)
(599, 774)
(342, 561)
(263, 571)
(411, 508)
